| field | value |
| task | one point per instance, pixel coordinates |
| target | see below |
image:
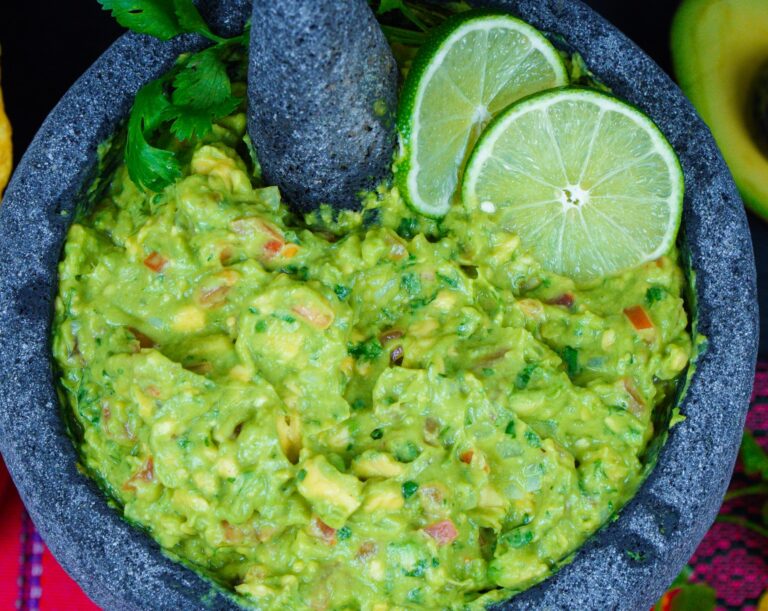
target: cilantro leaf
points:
(411, 14)
(518, 538)
(162, 19)
(408, 228)
(190, 19)
(195, 94)
(421, 15)
(149, 167)
(683, 595)
(189, 99)
(524, 376)
(570, 357)
(191, 123)
(754, 457)
(694, 597)
(154, 17)
(389, 5)
(368, 350)
(342, 292)
(202, 94)
(411, 283)
(654, 294)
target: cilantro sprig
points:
(754, 457)
(187, 100)
(148, 166)
(197, 92)
(163, 19)
(686, 595)
(407, 23)
(755, 460)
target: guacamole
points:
(382, 412)
(366, 411)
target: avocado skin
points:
(715, 48)
(759, 106)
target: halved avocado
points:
(720, 55)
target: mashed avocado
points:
(373, 412)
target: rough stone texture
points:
(322, 87)
(120, 568)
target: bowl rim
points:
(121, 568)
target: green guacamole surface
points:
(379, 412)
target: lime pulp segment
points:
(474, 67)
(588, 182)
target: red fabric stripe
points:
(10, 546)
(60, 593)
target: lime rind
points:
(588, 182)
(456, 90)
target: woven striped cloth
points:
(733, 559)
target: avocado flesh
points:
(719, 47)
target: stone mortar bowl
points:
(122, 568)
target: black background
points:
(47, 45)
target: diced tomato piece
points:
(290, 251)
(147, 474)
(432, 432)
(272, 248)
(315, 317)
(323, 531)
(232, 534)
(153, 391)
(389, 335)
(202, 368)
(214, 296)
(566, 300)
(225, 255)
(667, 598)
(636, 403)
(493, 357)
(156, 262)
(144, 340)
(466, 457)
(366, 550)
(397, 248)
(444, 532)
(638, 317)
(431, 426)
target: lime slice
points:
(588, 182)
(471, 68)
